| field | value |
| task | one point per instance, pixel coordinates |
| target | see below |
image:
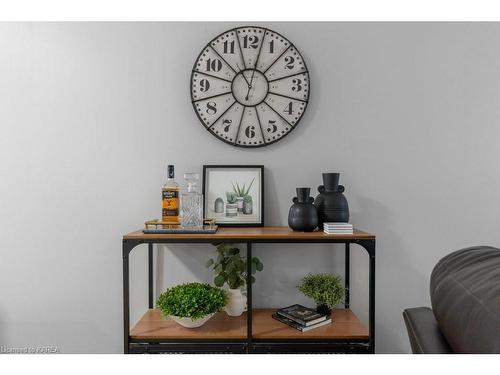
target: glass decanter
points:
(191, 203)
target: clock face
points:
(250, 86)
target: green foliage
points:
(247, 199)
(323, 288)
(191, 300)
(240, 191)
(231, 197)
(231, 268)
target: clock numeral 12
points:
(250, 42)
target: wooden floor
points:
(152, 326)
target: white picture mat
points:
(218, 181)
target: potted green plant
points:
(231, 206)
(241, 193)
(325, 289)
(193, 304)
(231, 269)
(247, 205)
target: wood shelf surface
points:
(221, 326)
(345, 325)
(153, 326)
(253, 233)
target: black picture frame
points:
(207, 168)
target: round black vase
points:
(324, 309)
(331, 203)
(303, 215)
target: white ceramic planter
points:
(190, 323)
(236, 302)
(239, 202)
(231, 209)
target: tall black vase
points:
(331, 203)
(303, 216)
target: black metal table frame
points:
(248, 345)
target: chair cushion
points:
(465, 296)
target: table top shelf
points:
(153, 326)
(253, 234)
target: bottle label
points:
(170, 203)
(167, 212)
(168, 194)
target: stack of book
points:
(337, 228)
(301, 318)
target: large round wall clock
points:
(250, 86)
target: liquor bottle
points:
(191, 203)
(170, 199)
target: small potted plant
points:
(191, 305)
(247, 205)
(231, 206)
(231, 268)
(241, 193)
(325, 289)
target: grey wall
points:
(90, 114)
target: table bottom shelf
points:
(226, 334)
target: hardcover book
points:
(338, 225)
(302, 315)
(298, 326)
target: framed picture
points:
(234, 194)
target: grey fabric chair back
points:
(465, 296)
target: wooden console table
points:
(255, 331)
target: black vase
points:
(303, 216)
(331, 203)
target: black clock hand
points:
(245, 78)
(250, 85)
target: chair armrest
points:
(425, 336)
